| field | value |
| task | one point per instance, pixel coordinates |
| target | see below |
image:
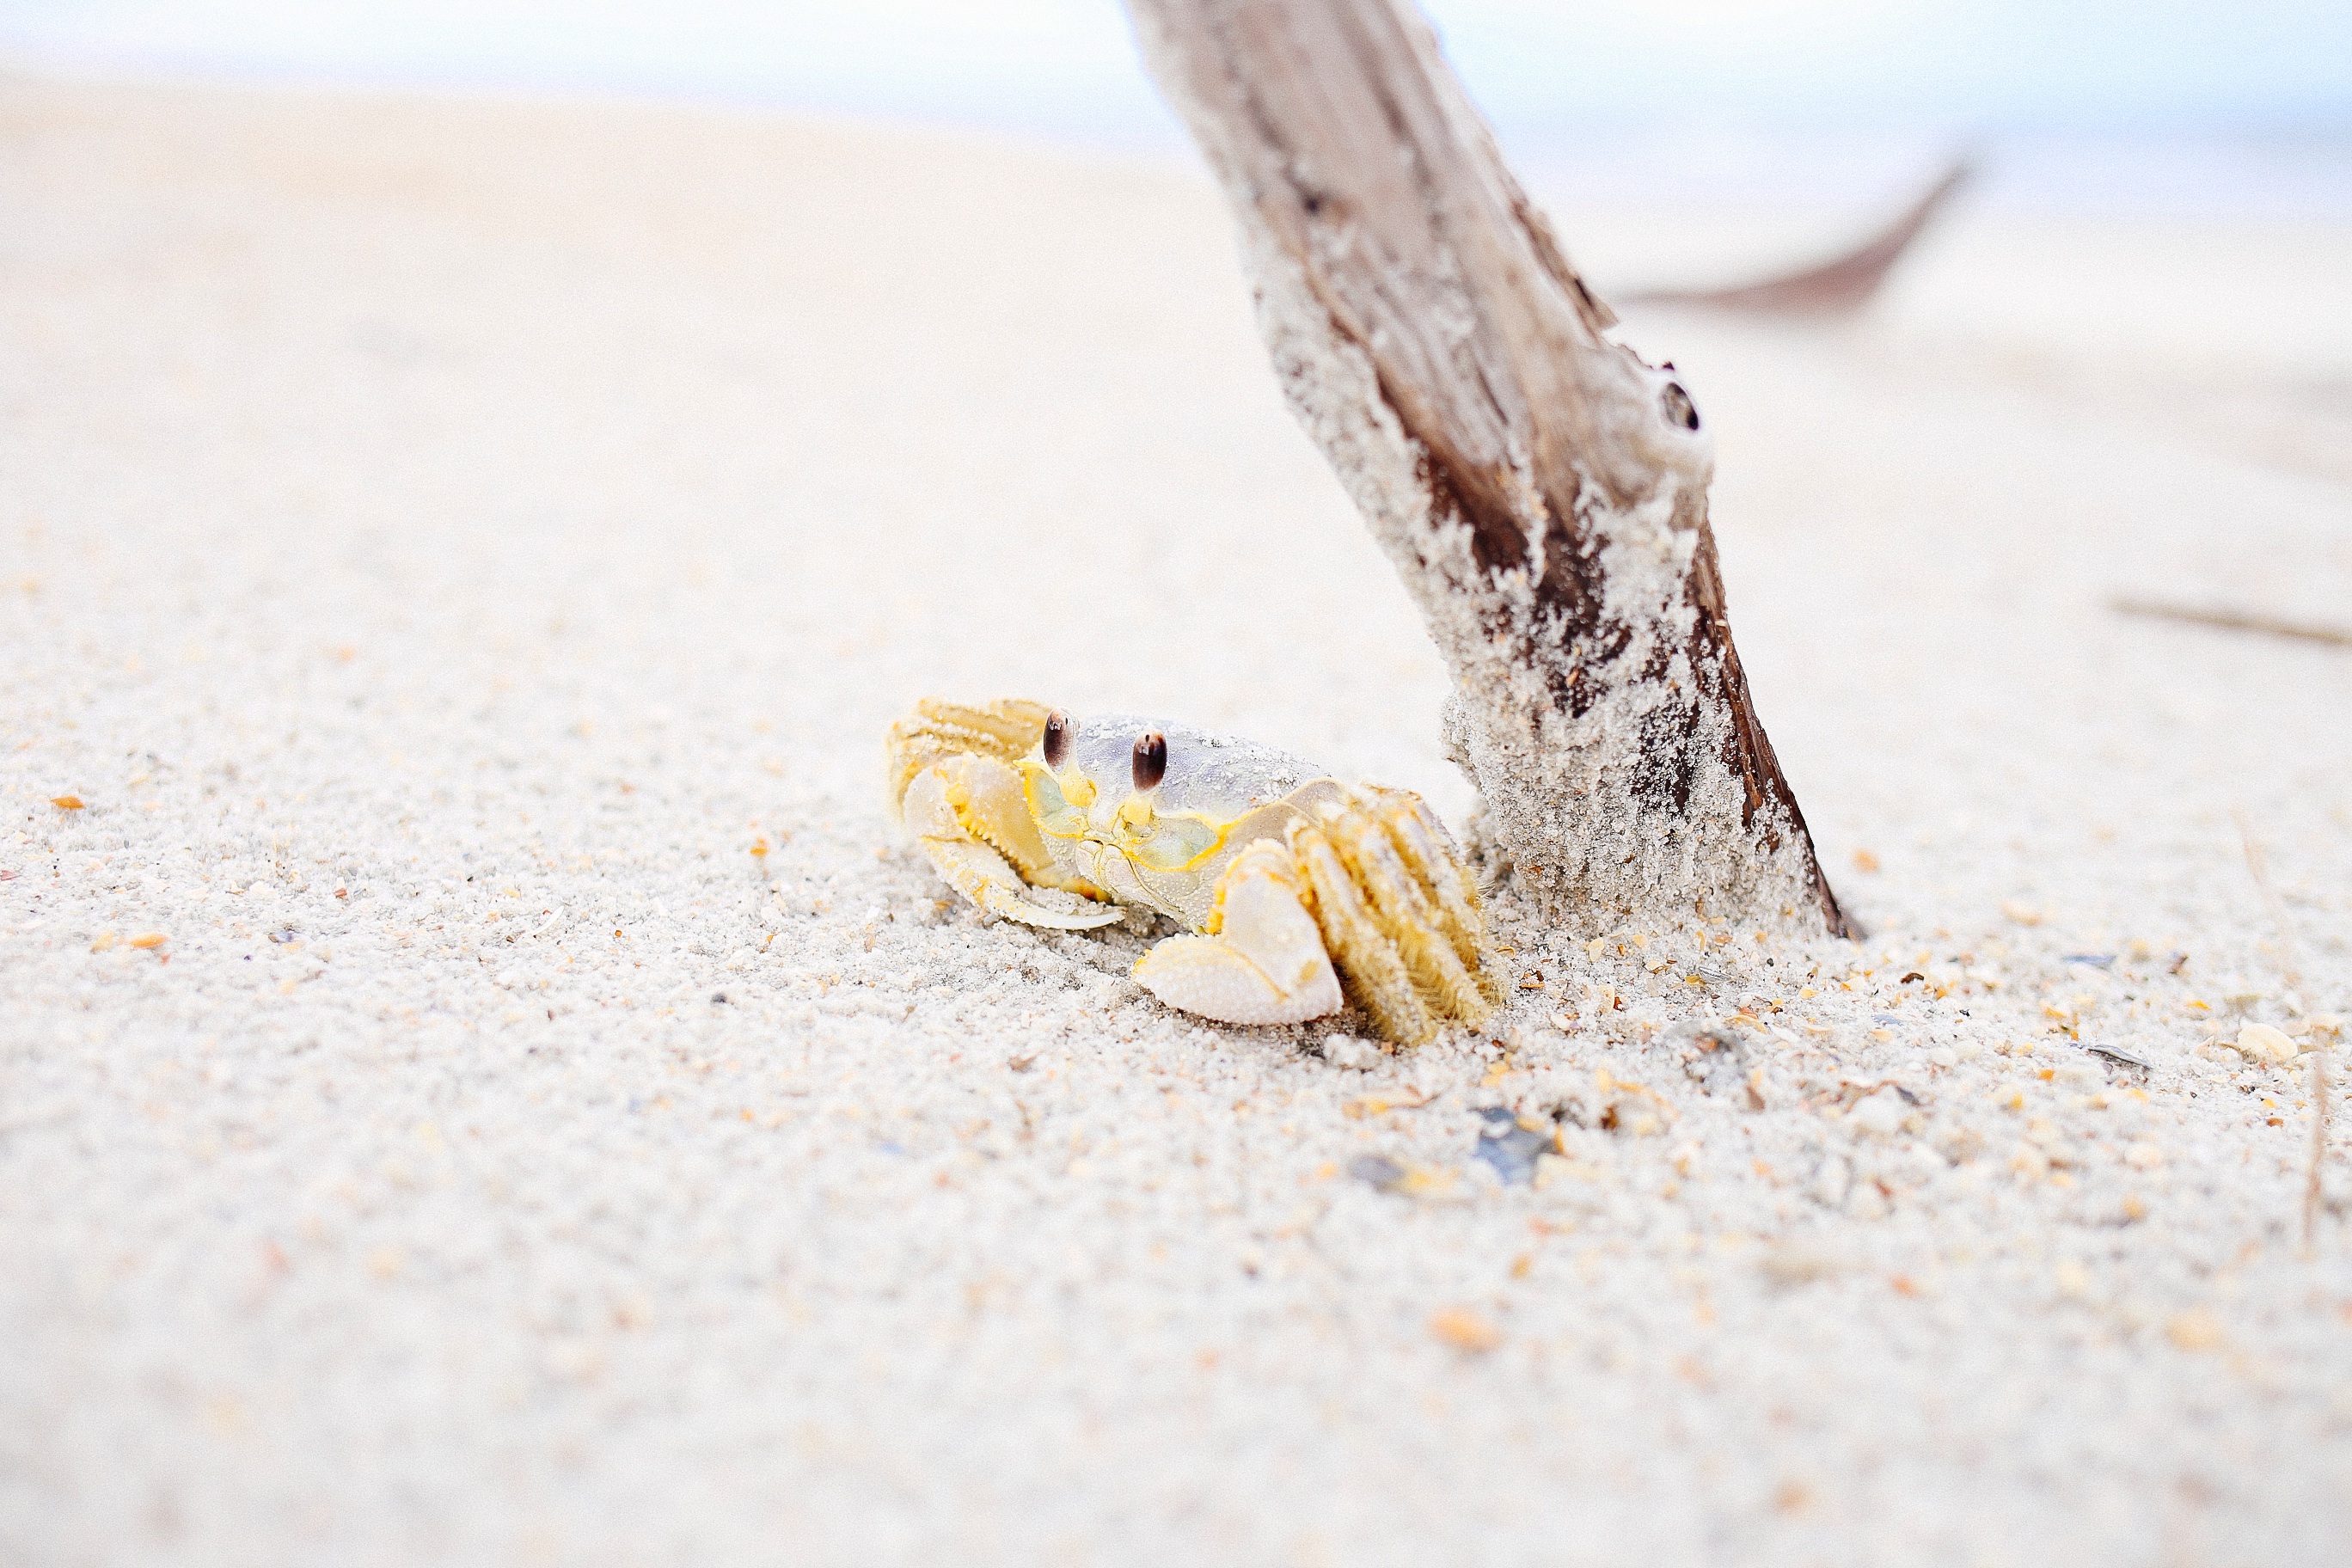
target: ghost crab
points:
(1300, 892)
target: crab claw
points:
(1265, 964)
(948, 808)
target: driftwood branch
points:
(1541, 490)
(1834, 287)
(2234, 620)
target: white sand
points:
(441, 544)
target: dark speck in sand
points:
(1508, 1147)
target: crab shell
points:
(1299, 890)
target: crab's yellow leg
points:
(1430, 858)
(1263, 962)
(1405, 903)
(1376, 977)
(968, 815)
(1399, 914)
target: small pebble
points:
(1509, 1147)
(1879, 1115)
(1465, 1331)
(2260, 1043)
(1800, 1262)
(2195, 1330)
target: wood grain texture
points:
(1541, 491)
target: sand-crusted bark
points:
(1540, 489)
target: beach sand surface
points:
(482, 1080)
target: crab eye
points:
(1059, 727)
(1150, 759)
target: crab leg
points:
(1265, 963)
(1429, 856)
(966, 814)
(1398, 913)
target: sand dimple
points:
(481, 1081)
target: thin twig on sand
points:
(2232, 620)
(2318, 1147)
(2288, 967)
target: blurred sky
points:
(1876, 78)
